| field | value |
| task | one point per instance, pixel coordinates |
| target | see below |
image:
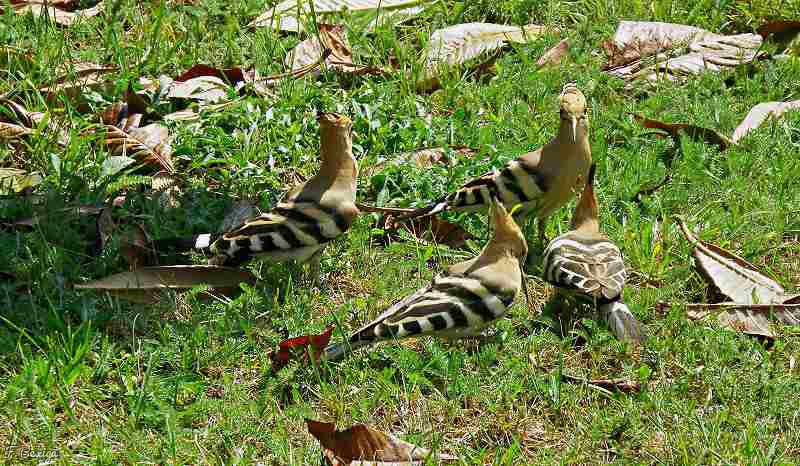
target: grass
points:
(92, 379)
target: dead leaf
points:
(207, 89)
(424, 158)
(430, 228)
(361, 443)
(733, 276)
(555, 54)
(12, 132)
(455, 45)
(132, 239)
(623, 385)
(695, 132)
(393, 17)
(56, 11)
(781, 29)
(285, 15)
(149, 144)
(147, 283)
(75, 78)
(306, 346)
(331, 37)
(15, 180)
(635, 42)
(759, 114)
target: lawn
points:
(87, 377)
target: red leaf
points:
(232, 75)
(300, 345)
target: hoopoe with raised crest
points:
(310, 215)
(584, 263)
(541, 181)
(459, 302)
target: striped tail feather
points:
(184, 244)
(622, 322)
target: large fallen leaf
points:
(653, 51)
(14, 180)
(207, 89)
(149, 144)
(11, 132)
(759, 114)
(76, 78)
(695, 132)
(455, 45)
(393, 17)
(332, 37)
(782, 30)
(429, 229)
(285, 15)
(736, 278)
(305, 346)
(424, 158)
(360, 444)
(148, 283)
(54, 11)
(555, 54)
(755, 296)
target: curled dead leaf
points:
(60, 12)
(555, 55)
(759, 114)
(148, 283)
(149, 144)
(361, 443)
(697, 133)
(306, 346)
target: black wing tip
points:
(590, 176)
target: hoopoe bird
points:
(310, 215)
(460, 301)
(584, 263)
(541, 181)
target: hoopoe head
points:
(586, 216)
(337, 144)
(573, 108)
(507, 234)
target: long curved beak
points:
(574, 127)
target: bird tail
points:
(432, 209)
(336, 351)
(184, 244)
(622, 322)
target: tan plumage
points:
(460, 301)
(541, 181)
(310, 215)
(585, 263)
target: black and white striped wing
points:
(593, 267)
(515, 183)
(452, 304)
(293, 230)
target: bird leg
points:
(314, 267)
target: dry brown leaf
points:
(332, 38)
(634, 41)
(424, 158)
(555, 55)
(430, 228)
(12, 132)
(75, 78)
(207, 89)
(759, 114)
(361, 443)
(695, 132)
(455, 45)
(623, 385)
(56, 11)
(15, 180)
(736, 278)
(780, 29)
(285, 15)
(149, 144)
(147, 283)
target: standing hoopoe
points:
(542, 180)
(459, 302)
(584, 262)
(310, 215)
